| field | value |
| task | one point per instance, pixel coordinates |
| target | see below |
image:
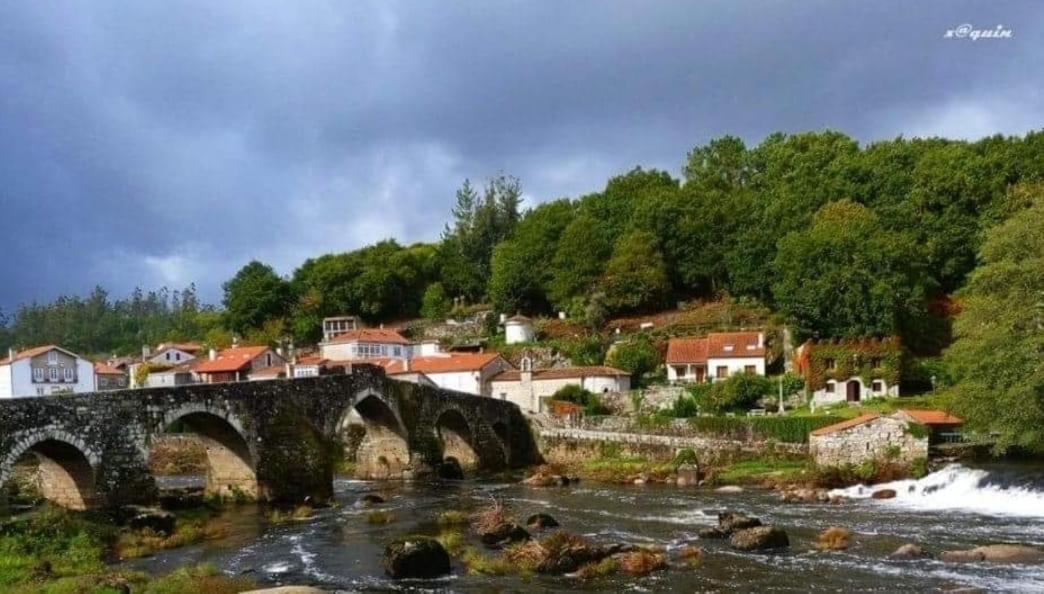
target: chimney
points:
(406, 365)
(279, 351)
(146, 352)
(11, 354)
(213, 354)
(235, 341)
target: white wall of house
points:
(5, 382)
(734, 366)
(426, 348)
(529, 395)
(679, 372)
(362, 350)
(837, 391)
(461, 381)
(517, 331)
(171, 356)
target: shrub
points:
(739, 392)
(684, 407)
(573, 393)
(435, 305)
(685, 456)
(584, 350)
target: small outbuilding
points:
(518, 329)
(869, 437)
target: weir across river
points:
(277, 440)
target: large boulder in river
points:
(417, 558)
(1000, 553)
(730, 522)
(760, 538)
(541, 522)
(883, 494)
(688, 475)
(449, 470)
(503, 534)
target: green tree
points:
(637, 356)
(578, 260)
(255, 295)
(635, 277)
(436, 305)
(738, 392)
(520, 271)
(847, 276)
(996, 357)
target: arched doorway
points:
(854, 390)
(230, 471)
(457, 439)
(55, 470)
(375, 439)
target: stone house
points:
(715, 356)
(107, 377)
(850, 370)
(43, 371)
(531, 389)
(869, 437)
(335, 326)
(171, 354)
(237, 363)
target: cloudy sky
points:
(163, 143)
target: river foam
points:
(958, 488)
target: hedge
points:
(782, 429)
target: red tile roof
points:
(376, 335)
(513, 375)
(717, 345)
(233, 359)
(188, 347)
(104, 369)
(932, 417)
(848, 424)
(448, 363)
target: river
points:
(954, 508)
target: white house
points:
(715, 356)
(172, 354)
(365, 343)
(43, 371)
(530, 389)
(850, 369)
(463, 372)
(518, 329)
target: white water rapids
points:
(957, 488)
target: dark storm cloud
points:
(165, 143)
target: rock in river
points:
(760, 538)
(541, 521)
(883, 494)
(420, 558)
(909, 551)
(157, 520)
(503, 534)
(999, 553)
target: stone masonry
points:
(274, 440)
(867, 438)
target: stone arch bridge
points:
(276, 440)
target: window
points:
(750, 369)
(52, 358)
(69, 375)
(54, 374)
(37, 374)
(268, 360)
(177, 356)
(728, 348)
(723, 371)
(830, 387)
(168, 355)
(751, 347)
(503, 395)
(39, 391)
(831, 364)
(398, 351)
(877, 386)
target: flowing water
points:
(956, 507)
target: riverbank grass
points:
(759, 470)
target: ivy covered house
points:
(850, 369)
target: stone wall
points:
(567, 446)
(882, 438)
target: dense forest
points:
(938, 241)
(839, 239)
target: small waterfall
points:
(959, 488)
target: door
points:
(853, 391)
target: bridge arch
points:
(382, 450)
(65, 471)
(231, 465)
(457, 438)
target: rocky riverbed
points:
(848, 546)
